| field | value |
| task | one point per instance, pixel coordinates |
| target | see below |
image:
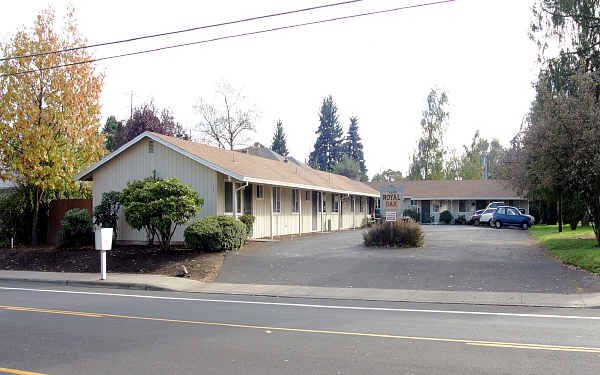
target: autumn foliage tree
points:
(49, 118)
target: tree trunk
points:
(560, 214)
(35, 241)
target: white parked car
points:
(486, 216)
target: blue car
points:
(511, 216)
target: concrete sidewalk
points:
(166, 283)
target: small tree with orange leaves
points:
(49, 118)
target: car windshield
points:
(490, 210)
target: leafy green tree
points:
(279, 144)
(327, 151)
(113, 132)
(159, 206)
(354, 149)
(571, 26)
(348, 167)
(388, 175)
(427, 163)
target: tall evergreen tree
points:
(279, 144)
(328, 150)
(354, 149)
(113, 131)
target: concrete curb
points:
(172, 284)
(98, 283)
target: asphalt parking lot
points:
(454, 258)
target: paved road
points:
(454, 258)
(159, 333)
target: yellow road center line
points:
(317, 331)
(536, 347)
(19, 372)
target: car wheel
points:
(491, 223)
(524, 226)
(498, 224)
(476, 223)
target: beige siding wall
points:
(137, 163)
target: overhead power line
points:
(390, 10)
(226, 23)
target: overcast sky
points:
(379, 68)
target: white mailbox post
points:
(103, 239)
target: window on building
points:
(228, 197)
(436, 205)
(335, 202)
(361, 206)
(260, 193)
(238, 199)
(276, 199)
(248, 199)
(295, 200)
(324, 202)
(307, 195)
(352, 204)
(462, 206)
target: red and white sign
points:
(390, 216)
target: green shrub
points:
(446, 217)
(106, 214)
(216, 233)
(461, 219)
(248, 220)
(395, 234)
(76, 229)
(413, 214)
(204, 234)
(159, 206)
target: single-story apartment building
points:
(284, 198)
(431, 197)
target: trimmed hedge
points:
(395, 234)
(76, 229)
(216, 233)
(446, 217)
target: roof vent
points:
(151, 147)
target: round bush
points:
(76, 229)
(204, 234)
(446, 217)
(248, 220)
(216, 233)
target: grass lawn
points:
(575, 247)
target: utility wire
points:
(232, 36)
(183, 30)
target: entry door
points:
(315, 209)
(425, 211)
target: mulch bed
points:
(124, 259)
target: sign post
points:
(391, 199)
(103, 240)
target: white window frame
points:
(307, 195)
(276, 198)
(361, 205)
(260, 192)
(324, 203)
(295, 201)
